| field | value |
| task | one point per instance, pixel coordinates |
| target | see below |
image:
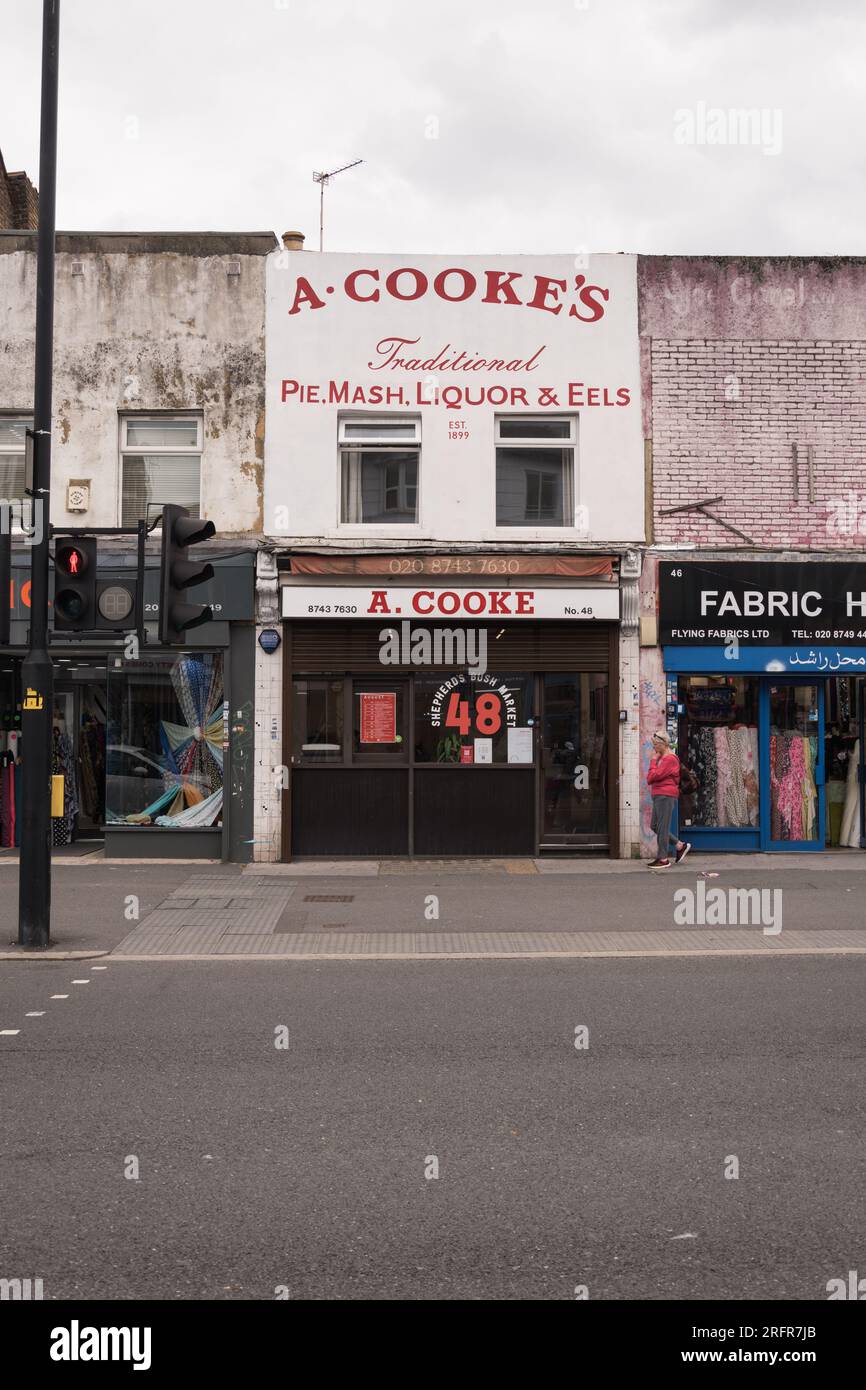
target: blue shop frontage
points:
(765, 674)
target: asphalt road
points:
(305, 1167)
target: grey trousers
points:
(663, 813)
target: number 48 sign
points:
(487, 714)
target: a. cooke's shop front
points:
(764, 666)
(452, 718)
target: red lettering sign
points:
(456, 284)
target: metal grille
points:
(318, 647)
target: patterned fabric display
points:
(793, 794)
(737, 803)
(63, 763)
(725, 762)
(194, 749)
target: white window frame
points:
(140, 417)
(25, 418)
(528, 441)
(380, 435)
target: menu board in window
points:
(378, 716)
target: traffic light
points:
(75, 584)
(176, 574)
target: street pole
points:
(37, 676)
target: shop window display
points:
(466, 717)
(164, 754)
(10, 756)
(793, 758)
(318, 721)
(718, 743)
(841, 759)
(379, 721)
(63, 765)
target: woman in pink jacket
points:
(663, 777)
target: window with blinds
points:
(535, 470)
(13, 439)
(160, 462)
(379, 461)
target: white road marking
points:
(81, 982)
(39, 1014)
(60, 996)
(99, 967)
(9, 1032)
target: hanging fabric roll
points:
(739, 754)
(850, 832)
(63, 764)
(723, 766)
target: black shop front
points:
(154, 745)
(439, 719)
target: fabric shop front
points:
(764, 668)
(450, 705)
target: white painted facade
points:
(337, 326)
(455, 344)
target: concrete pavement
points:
(414, 909)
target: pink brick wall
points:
(741, 359)
(725, 415)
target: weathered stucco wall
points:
(146, 323)
(742, 361)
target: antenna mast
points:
(323, 180)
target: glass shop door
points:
(792, 765)
(574, 747)
(861, 770)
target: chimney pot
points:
(293, 241)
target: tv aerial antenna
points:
(323, 180)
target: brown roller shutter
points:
(321, 647)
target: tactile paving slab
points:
(196, 917)
(214, 941)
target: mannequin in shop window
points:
(63, 764)
(91, 767)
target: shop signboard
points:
(451, 604)
(815, 606)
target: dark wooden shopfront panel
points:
(481, 811)
(528, 646)
(453, 810)
(351, 811)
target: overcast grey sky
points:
(485, 125)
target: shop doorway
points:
(861, 763)
(79, 754)
(792, 772)
(574, 741)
